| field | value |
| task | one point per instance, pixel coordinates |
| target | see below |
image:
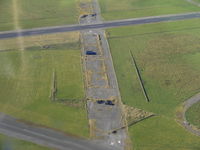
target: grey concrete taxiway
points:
(101, 25)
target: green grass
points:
(163, 52)
(37, 42)
(160, 133)
(193, 115)
(26, 82)
(6, 21)
(37, 13)
(197, 1)
(7, 143)
(121, 9)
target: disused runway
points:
(101, 87)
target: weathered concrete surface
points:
(101, 84)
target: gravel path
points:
(187, 104)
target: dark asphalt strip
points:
(109, 24)
(46, 137)
(57, 143)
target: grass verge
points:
(118, 9)
(42, 41)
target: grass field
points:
(118, 9)
(160, 133)
(168, 57)
(37, 13)
(7, 143)
(193, 115)
(26, 80)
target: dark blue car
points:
(91, 53)
(93, 15)
(109, 103)
(100, 101)
(83, 16)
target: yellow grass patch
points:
(134, 115)
(92, 124)
(85, 7)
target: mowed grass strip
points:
(37, 13)
(45, 40)
(26, 83)
(168, 57)
(118, 9)
(193, 115)
(7, 143)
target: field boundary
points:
(140, 78)
(69, 102)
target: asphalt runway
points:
(108, 24)
(11, 127)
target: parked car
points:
(108, 102)
(91, 53)
(100, 101)
(93, 15)
(83, 16)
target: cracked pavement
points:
(101, 84)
